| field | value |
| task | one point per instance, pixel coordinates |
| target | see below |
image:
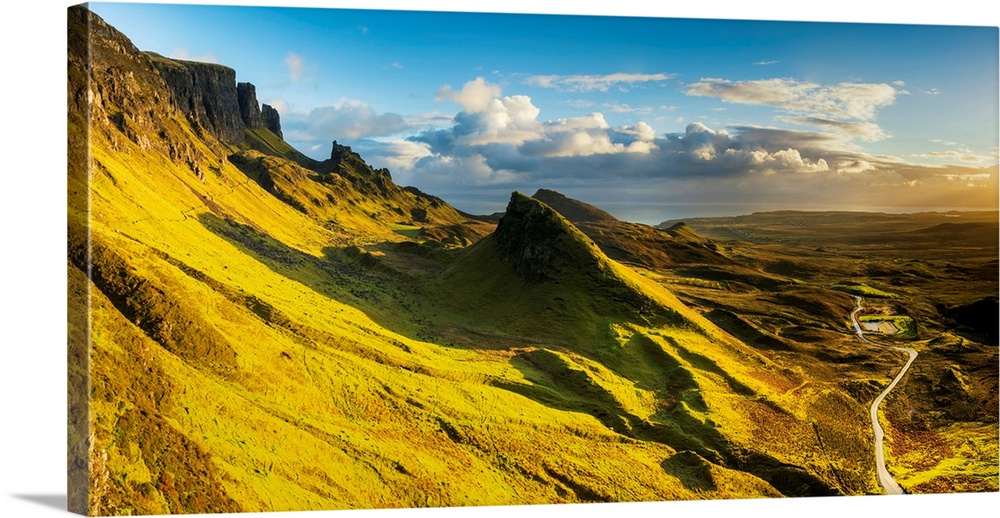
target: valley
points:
(269, 332)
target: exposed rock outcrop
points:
(272, 120)
(341, 153)
(540, 243)
(246, 95)
(206, 93)
(368, 180)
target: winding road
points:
(884, 478)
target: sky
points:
(650, 118)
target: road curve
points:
(888, 483)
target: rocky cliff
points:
(272, 120)
(540, 243)
(246, 96)
(206, 93)
(210, 97)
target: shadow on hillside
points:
(341, 274)
(351, 277)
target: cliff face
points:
(131, 81)
(540, 243)
(272, 120)
(246, 95)
(206, 93)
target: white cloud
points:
(296, 66)
(589, 83)
(346, 119)
(489, 119)
(500, 141)
(727, 154)
(475, 96)
(400, 154)
(857, 101)
(766, 62)
(471, 170)
(280, 105)
(641, 131)
(854, 166)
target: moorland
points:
(255, 330)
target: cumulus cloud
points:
(579, 136)
(703, 150)
(470, 170)
(503, 134)
(352, 119)
(346, 119)
(475, 96)
(857, 101)
(590, 83)
(493, 125)
(398, 154)
(499, 142)
(854, 166)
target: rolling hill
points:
(270, 332)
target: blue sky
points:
(649, 118)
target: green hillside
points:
(271, 332)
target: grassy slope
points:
(380, 419)
(942, 420)
(258, 365)
(665, 365)
(302, 373)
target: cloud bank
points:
(502, 142)
(496, 143)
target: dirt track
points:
(884, 478)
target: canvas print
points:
(334, 258)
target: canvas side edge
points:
(78, 260)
